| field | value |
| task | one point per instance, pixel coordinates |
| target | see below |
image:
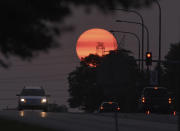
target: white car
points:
(32, 98)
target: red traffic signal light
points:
(148, 58)
(148, 55)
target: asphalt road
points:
(95, 121)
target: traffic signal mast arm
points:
(162, 61)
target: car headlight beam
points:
(23, 100)
(44, 100)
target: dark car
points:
(32, 98)
(109, 107)
(155, 99)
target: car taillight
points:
(148, 112)
(174, 113)
(118, 108)
(169, 100)
(143, 100)
(101, 107)
(110, 103)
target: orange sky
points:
(87, 42)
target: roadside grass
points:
(13, 125)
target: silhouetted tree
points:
(118, 75)
(83, 88)
(172, 69)
(91, 61)
(26, 25)
(113, 76)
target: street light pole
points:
(136, 38)
(160, 26)
(142, 21)
(143, 26)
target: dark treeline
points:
(171, 71)
(113, 76)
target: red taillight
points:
(169, 100)
(110, 102)
(174, 113)
(148, 112)
(143, 100)
(101, 108)
(118, 108)
(155, 88)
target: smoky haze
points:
(51, 70)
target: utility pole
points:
(160, 26)
(142, 21)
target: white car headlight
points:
(44, 100)
(23, 100)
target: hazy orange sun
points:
(95, 41)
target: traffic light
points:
(148, 58)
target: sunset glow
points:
(95, 41)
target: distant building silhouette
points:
(100, 48)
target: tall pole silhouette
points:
(136, 36)
(160, 26)
(142, 21)
(144, 26)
